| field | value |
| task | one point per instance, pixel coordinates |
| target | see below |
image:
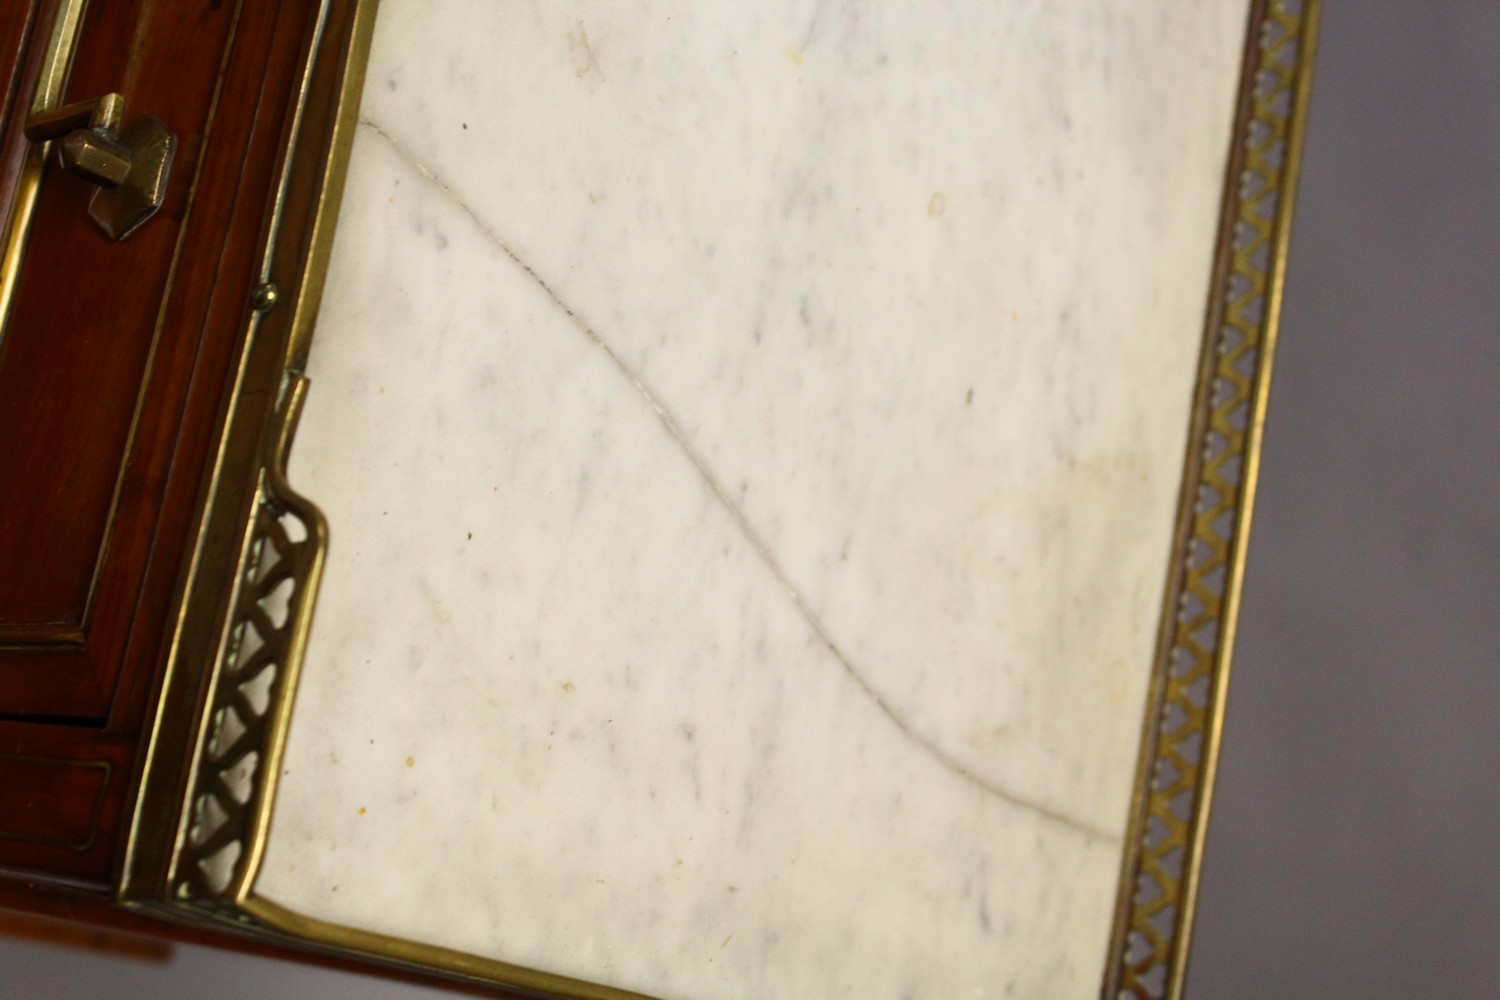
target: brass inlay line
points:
(57, 64)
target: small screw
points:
(264, 297)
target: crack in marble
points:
(757, 543)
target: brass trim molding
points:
(214, 680)
(57, 63)
(1185, 707)
(201, 865)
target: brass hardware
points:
(130, 168)
(1185, 707)
(90, 144)
(265, 297)
(120, 211)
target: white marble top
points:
(751, 435)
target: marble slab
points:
(751, 436)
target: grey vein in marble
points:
(712, 481)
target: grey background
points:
(1351, 852)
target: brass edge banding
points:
(294, 387)
(1185, 709)
(143, 824)
(1299, 94)
(279, 522)
(414, 956)
(235, 747)
(53, 77)
(220, 828)
(325, 222)
(59, 64)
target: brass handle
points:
(89, 131)
(130, 167)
